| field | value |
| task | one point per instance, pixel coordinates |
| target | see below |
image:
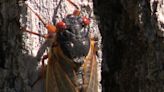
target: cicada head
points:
(74, 40)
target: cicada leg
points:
(43, 70)
(34, 33)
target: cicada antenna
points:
(34, 33)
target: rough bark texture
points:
(132, 49)
(10, 48)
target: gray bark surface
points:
(11, 44)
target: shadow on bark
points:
(129, 46)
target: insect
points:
(72, 61)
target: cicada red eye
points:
(61, 25)
(86, 21)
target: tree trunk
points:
(132, 38)
(11, 44)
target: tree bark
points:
(11, 44)
(132, 38)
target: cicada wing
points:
(91, 75)
(93, 80)
(51, 80)
(57, 80)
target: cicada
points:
(72, 60)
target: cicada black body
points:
(72, 62)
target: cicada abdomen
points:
(62, 72)
(59, 76)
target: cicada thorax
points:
(75, 44)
